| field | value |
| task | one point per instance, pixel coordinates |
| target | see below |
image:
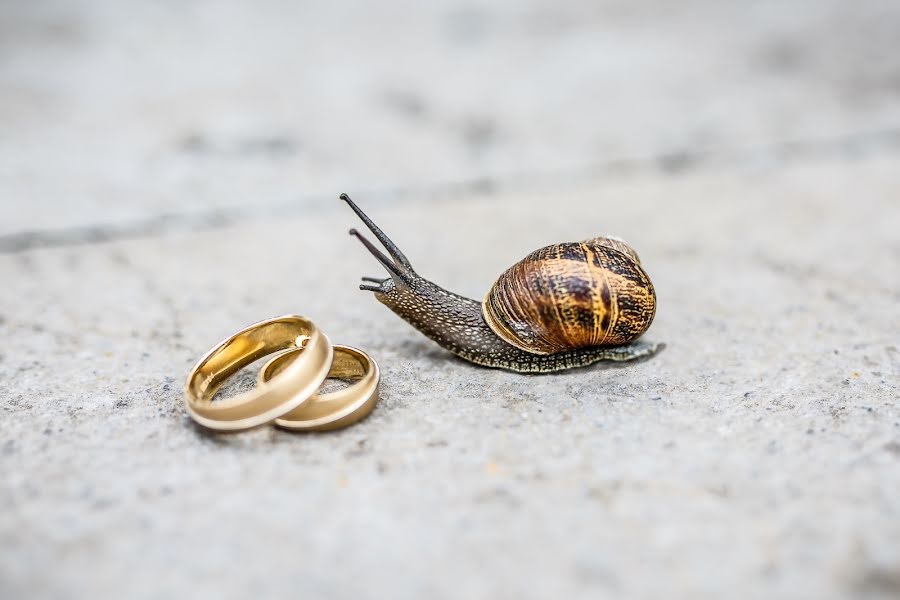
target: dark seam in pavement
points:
(886, 141)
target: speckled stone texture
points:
(169, 173)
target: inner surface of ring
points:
(245, 349)
(347, 364)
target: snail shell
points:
(572, 295)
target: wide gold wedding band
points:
(279, 395)
(330, 410)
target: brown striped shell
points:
(572, 295)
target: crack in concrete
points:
(779, 154)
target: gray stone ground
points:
(169, 173)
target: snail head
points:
(402, 275)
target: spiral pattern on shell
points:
(572, 295)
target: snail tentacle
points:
(393, 268)
(390, 246)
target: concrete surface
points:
(169, 173)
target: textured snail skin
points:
(457, 324)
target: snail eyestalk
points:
(458, 323)
(387, 263)
(390, 246)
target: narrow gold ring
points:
(294, 385)
(331, 410)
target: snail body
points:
(563, 306)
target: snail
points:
(564, 306)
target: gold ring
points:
(294, 385)
(331, 410)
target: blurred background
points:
(169, 173)
(116, 112)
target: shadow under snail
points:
(564, 306)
